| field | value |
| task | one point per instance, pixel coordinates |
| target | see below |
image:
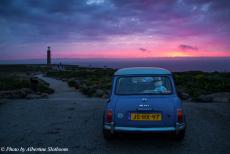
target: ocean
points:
(177, 64)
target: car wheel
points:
(107, 134)
(180, 135)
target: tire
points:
(107, 135)
(180, 136)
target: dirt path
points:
(67, 119)
(62, 90)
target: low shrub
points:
(192, 83)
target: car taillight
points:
(109, 115)
(180, 115)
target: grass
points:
(89, 80)
(12, 82)
(198, 83)
(194, 83)
(44, 88)
(16, 77)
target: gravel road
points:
(67, 119)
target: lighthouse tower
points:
(48, 57)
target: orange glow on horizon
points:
(179, 54)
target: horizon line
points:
(56, 58)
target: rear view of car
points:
(143, 100)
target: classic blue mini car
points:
(143, 99)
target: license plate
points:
(146, 116)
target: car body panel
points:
(125, 105)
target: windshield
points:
(143, 85)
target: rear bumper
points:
(113, 128)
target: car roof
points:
(142, 71)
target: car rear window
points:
(143, 85)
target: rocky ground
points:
(68, 119)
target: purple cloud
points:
(36, 21)
(188, 47)
(143, 49)
(75, 20)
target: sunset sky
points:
(114, 28)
